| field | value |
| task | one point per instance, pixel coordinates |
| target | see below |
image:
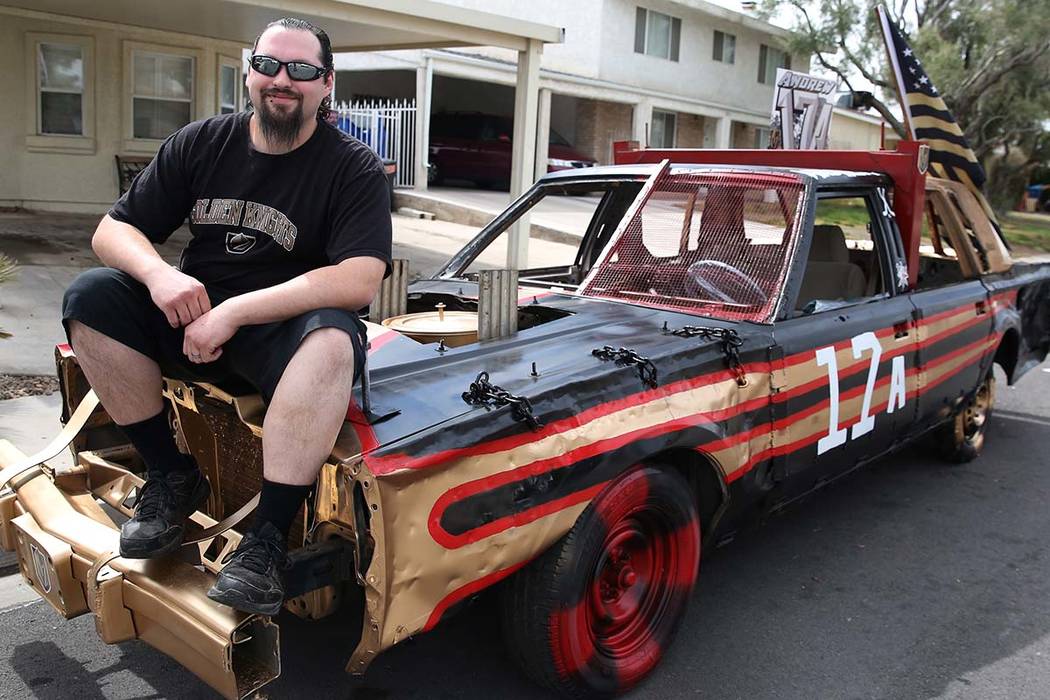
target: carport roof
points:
(353, 25)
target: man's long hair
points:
(327, 62)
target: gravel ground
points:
(13, 386)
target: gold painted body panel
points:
(164, 598)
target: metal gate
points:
(388, 128)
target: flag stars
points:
(907, 52)
(924, 80)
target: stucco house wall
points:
(858, 131)
(69, 173)
(696, 74)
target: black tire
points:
(961, 439)
(592, 616)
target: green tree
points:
(990, 60)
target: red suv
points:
(476, 147)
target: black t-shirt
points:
(257, 219)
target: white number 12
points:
(826, 358)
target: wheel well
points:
(1006, 353)
(703, 475)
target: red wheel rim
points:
(629, 590)
(635, 589)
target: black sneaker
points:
(164, 503)
(251, 580)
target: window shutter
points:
(762, 51)
(718, 45)
(676, 37)
(639, 31)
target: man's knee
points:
(96, 293)
(332, 346)
(79, 334)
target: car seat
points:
(829, 273)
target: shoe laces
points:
(156, 494)
(257, 553)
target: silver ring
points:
(195, 355)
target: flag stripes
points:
(929, 118)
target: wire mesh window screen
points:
(713, 244)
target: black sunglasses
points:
(297, 70)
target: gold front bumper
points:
(66, 544)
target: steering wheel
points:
(719, 281)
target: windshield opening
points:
(568, 224)
(715, 244)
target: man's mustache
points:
(281, 93)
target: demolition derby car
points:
(713, 340)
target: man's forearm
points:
(124, 247)
(349, 285)
(180, 297)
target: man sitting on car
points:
(291, 236)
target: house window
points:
(229, 97)
(60, 87)
(769, 59)
(657, 34)
(662, 133)
(725, 47)
(162, 93)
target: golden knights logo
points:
(246, 215)
(239, 243)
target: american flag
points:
(928, 117)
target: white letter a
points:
(898, 386)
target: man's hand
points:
(204, 337)
(181, 297)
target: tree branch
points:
(834, 69)
(868, 75)
(932, 12)
(886, 114)
(986, 76)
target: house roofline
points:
(735, 17)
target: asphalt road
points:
(909, 579)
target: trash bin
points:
(390, 168)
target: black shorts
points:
(118, 306)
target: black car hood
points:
(551, 364)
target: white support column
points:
(543, 133)
(523, 158)
(724, 133)
(424, 87)
(642, 122)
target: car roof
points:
(822, 176)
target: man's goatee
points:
(280, 128)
